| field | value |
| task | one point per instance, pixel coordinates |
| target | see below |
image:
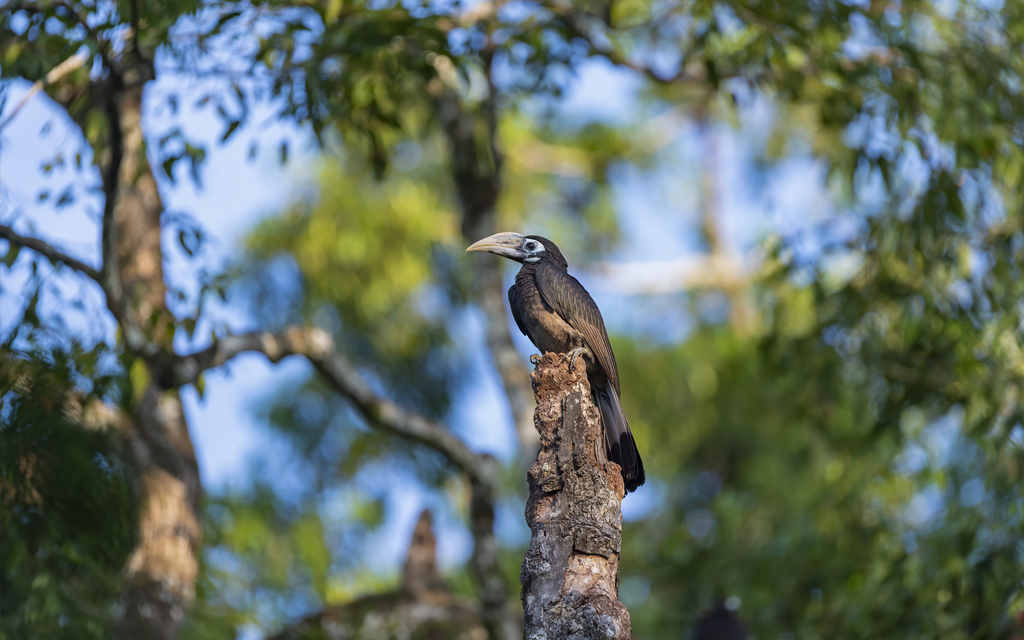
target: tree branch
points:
(101, 43)
(741, 313)
(572, 18)
(317, 346)
(56, 74)
(482, 471)
(111, 273)
(574, 21)
(48, 251)
(102, 46)
(120, 305)
(725, 272)
(135, 337)
(476, 161)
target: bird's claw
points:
(535, 359)
(572, 355)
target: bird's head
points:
(522, 249)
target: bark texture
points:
(570, 574)
(160, 577)
(161, 574)
(137, 208)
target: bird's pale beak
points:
(506, 244)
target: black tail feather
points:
(618, 437)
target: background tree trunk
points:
(570, 575)
(476, 172)
(160, 580)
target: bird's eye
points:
(531, 245)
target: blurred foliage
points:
(863, 453)
(258, 548)
(848, 467)
(373, 262)
(36, 37)
(832, 499)
(847, 462)
(559, 177)
(366, 249)
(68, 517)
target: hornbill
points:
(558, 315)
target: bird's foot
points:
(535, 359)
(572, 355)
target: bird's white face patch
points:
(533, 250)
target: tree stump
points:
(570, 574)
(423, 608)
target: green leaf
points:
(184, 244)
(196, 156)
(333, 11)
(12, 255)
(168, 165)
(140, 378)
(66, 197)
(232, 126)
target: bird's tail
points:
(621, 447)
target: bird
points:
(557, 314)
(721, 623)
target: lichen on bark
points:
(570, 574)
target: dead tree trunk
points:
(570, 575)
(423, 607)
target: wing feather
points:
(570, 300)
(513, 302)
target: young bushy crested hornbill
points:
(558, 315)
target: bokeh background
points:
(801, 221)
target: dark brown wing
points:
(515, 302)
(571, 301)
